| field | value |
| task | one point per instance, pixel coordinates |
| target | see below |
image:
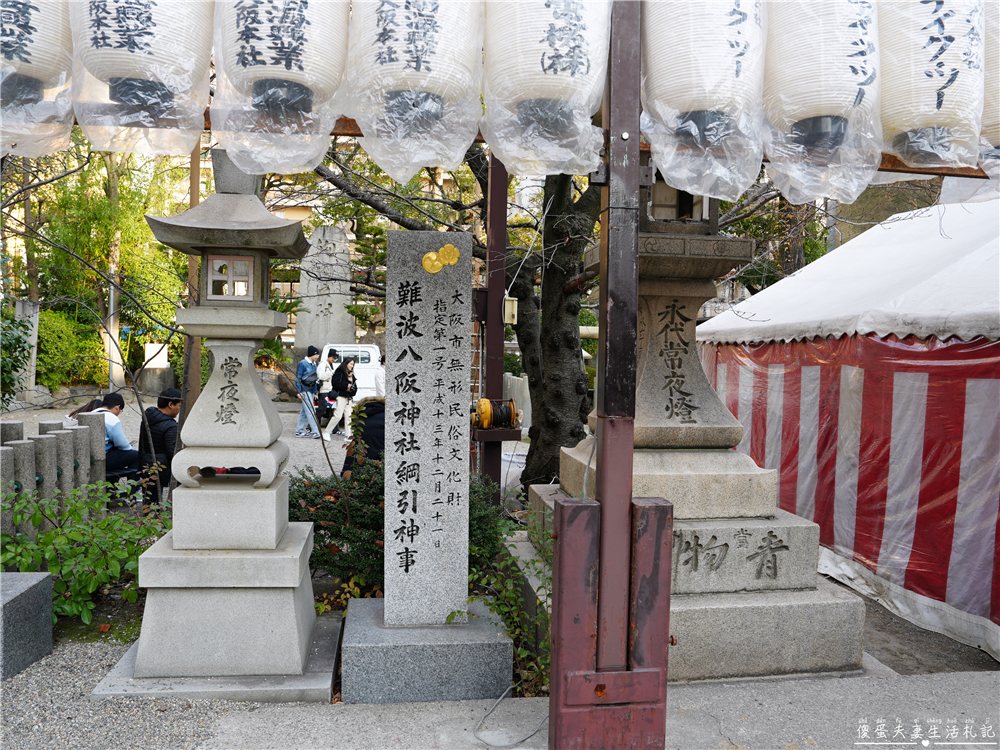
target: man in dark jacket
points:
(369, 435)
(161, 421)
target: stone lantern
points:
(726, 517)
(229, 592)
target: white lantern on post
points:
(414, 72)
(545, 67)
(35, 64)
(141, 75)
(821, 88)
(702, 68)
(279, 65)
(932, 80)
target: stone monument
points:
(418, 643)
(229, 594)
(326, 320)
(746, 597)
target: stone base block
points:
(212, 632)
(541, 501)
(745, 554)
(701, 483)
(162, 566)
(314, 685)
(766, 633)
(25, 620)
(228, 513)
(419, 664)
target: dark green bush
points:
(14, 354)
(512, 364)
(349, 521)
(80, 543)
(57, 349)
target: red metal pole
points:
(617, 338)
(496, 253)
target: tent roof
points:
(931, 272)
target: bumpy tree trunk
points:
(550, 342)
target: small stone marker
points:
(428, 360)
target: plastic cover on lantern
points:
(989, 139)
(280, 67)
(932, 80)
(821, 98)
(702, 69)
(545, 64)
(36, 63)
(140, 73)
(413, 81)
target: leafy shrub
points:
(80, 543)
(91, 365)
(512, 364)
(350, 521)
(14, 355)
(175, 355)
(57, 349)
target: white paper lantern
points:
(702, 69)
(702, 63)
(932, 80)
(991, 99)
(414, 60)
(821, 68)
(36, 49)
(545, 64)
(148, 52)
(285, 54)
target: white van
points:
(366, 357)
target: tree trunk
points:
(550, 344)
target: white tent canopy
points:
(931, 272)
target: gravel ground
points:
(48, 706)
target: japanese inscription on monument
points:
(428, 360)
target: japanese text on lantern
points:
(567, 46)
(229, 393)
(122, 24)
(408, 25)
(861, 60)
(675, 347)
(271, 32)
(17, 29)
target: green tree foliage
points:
(80, 543)
(14, 355)
(350, 521)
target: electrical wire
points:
(475, 731)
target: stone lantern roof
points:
(233, 218)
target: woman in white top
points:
(324, 374)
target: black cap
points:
(311, 351)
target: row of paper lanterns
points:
(820, 87)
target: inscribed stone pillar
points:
(327, 320)
(428, 360)
(26, 309)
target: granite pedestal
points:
(25, 620)
(382, 664)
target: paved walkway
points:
(791, 714)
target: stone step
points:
(229, 513)
(701, 483)
(766, 633)
(745, 554)
(162, 566)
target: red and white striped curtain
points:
(891, 446)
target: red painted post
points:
(617, 336)
(624, 708)
(496, 252)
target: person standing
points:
(119, 453)
(162, 425)
(345, 387)
(324, 373)
(305, 384)
(380, 378)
